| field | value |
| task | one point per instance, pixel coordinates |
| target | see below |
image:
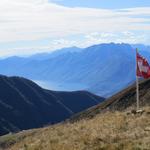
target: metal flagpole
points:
(137, 85)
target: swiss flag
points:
(143, 67)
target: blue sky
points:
(108, 4)
(33, 26)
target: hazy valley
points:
(97, 68)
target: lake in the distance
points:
(60, 86)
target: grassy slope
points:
(105, 131)
(124, 100)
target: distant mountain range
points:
(103, 69)
(25, 105)
(44, 56)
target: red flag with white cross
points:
(143, 67)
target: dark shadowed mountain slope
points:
(123, 100)
(24, 105)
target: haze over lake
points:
(60, 86)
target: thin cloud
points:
(38, 19)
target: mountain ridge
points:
(25, 105)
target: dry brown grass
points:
(108, 131)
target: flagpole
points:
(137, 84)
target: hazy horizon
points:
(51, 51)
(36, 26)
